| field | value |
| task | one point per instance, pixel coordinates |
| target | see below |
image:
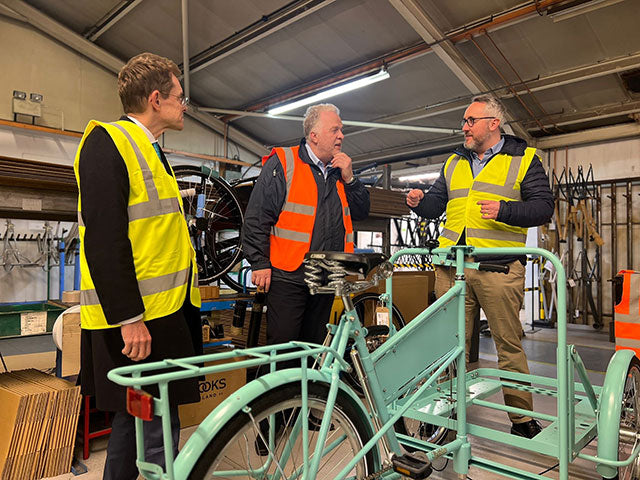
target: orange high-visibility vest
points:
(627, 322)
(291, 235)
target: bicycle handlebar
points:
(491, 267)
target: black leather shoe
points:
(527, 429)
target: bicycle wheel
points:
(242, 189)
(216, 233)
(630, 422)
(365, 305)
(426, 431)
(235, 450)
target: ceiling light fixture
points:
(332, 92)
(419, 176)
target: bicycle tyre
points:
(217, 235)
(364, 305)
(629, 421)
(236, 442)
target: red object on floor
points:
(85, 414)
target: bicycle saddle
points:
(352, 262)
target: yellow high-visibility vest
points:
(155, 213)
(500, 179)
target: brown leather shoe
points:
(526, 429)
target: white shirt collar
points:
(146, 131)
(323, 168)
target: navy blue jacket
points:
(536, 207)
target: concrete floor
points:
(593, 346)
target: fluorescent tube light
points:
(332, 92)
(420, 176)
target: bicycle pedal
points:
(411, 466)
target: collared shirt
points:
(477, 165)
(323, 168)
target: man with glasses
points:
(139, 295)
(492, 188)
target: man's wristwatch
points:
(351, 180)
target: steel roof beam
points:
(83, 46)
(110, 19)
(596, 113)
(64, 35)
(420, 21)
(265, 27)
(593, 135)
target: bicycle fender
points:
(217, 419)
(609, 409)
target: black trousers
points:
(294, 314)
(121, 450)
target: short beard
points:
(470, 144)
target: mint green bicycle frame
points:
(401, 379)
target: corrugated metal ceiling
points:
(343, 35)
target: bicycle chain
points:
(376, 475)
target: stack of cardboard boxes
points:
(38, 421)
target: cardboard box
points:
(213, 390)
(71, 297)
(209, 292)
(38, 420)
(71, 334)
(411, 291)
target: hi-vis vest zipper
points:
(155, 212)
(291, 235)
(500, 179)
(627, 323)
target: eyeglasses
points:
(472, 120)
(184, 101)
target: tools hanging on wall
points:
(577, 241)
(49, 246)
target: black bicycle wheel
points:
(216, 234)
(365, 305)
(237, 447)
(426, 431)
(241, 269)
(630, 422)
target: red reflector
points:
(140, 404)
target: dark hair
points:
(142, 75)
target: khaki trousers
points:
(500, 296)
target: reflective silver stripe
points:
(152, 191)
(299, 208)
(347, 212)
(507, 189)
(627, 342)
(148, 286)
(290, 234)
(349, 237)
(288, 174)
(449, 234)
(155, 206)
(149, 209)
(450, 169)
(89, 297)
(458, 193)
(496, 235)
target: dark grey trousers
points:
(121, 451)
